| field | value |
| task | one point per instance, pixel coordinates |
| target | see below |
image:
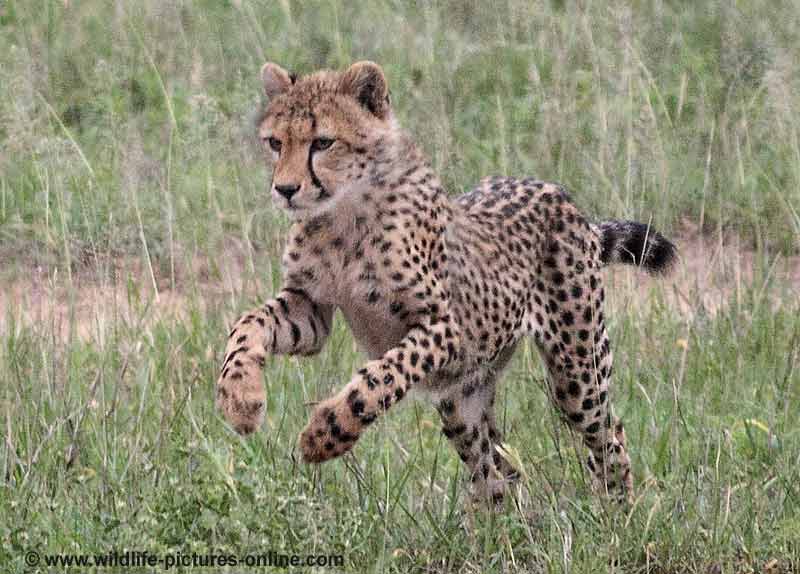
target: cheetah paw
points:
(328, 434)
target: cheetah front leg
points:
(337, 422)
(291, 323)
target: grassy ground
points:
(129, 179)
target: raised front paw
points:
(241, 398)
(331, 432)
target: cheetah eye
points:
(274, 144)
(320, 144)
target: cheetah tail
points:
(636, 243)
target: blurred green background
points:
(667, 109)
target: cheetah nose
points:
(287, 191)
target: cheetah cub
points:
(437, 291)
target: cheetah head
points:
(319, 131)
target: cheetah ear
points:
(276, 80)
(367, 84)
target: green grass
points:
(128, 160)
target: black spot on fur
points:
(577, 418)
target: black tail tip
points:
(659, 255)
(635, 243)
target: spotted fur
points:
(438, 292)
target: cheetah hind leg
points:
(581, 394)
(467, 412)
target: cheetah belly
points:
(375, 332)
